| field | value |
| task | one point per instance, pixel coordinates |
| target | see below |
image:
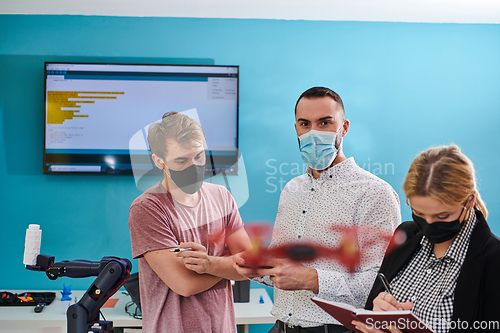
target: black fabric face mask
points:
(438, 232)
(190, 179)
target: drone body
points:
(348, 252)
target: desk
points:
(253, 312)
(23, 319)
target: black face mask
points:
(438, 232)
(190, 179)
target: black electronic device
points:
(39, 307)
(241, 291)
(132, 287)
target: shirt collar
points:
(458, 247)
(335, 170)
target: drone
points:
(347, 253)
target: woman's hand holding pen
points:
(383, 302)
(197, 259)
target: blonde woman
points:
(447, 270)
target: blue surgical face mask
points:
(318, 148)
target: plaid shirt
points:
(430, 282)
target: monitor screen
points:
(95, 113)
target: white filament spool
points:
(32, 244)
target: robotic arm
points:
(111, 272)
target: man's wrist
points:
(212, 267)
(218, 264)
(312, 280)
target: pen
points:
(385, 283)
(181, 249)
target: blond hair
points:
(173, 126)
(446, 174)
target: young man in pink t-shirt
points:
(186, 291)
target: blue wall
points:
(405, 86)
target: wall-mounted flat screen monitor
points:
(97, 115)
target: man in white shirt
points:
(333, 192)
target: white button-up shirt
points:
(430, 282)
(344, 195)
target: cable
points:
(100, 312)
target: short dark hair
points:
(318, 92)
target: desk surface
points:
(23, 319)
